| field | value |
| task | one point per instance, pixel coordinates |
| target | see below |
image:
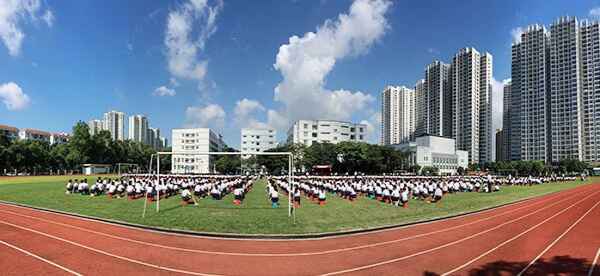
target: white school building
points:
(194, 140)
(435, 151)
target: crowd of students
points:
(395, 190)
(144, 185)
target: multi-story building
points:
(554, 91)
(506, 124)
(187, 143)
(95, 126)
(138, 129)
(34, 134)
(153, 138)
(501, 152)
(9, 132)
(164, 142)
(420, 108)
(114, 122)
(59, 138)
(258, 139)
(471, 81)
(435, 151)
(565, 90)
(590, 92)
(398, 115)
(530, 86)
(326, 131)
(438, 99)
(486, 146)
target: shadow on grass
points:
(558, 265)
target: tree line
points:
(39, 157)
(344, 157)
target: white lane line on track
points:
(39, 258)
(450, 243)
(515, 237)
(280, 254)
(557, 239)
(436, 220)
(591, 272)
(108, 254)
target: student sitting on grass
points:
(297, 198)
(186, 197)
(83, 187)
(215, 193)
(322, 197)
(69, 187)
(274, 198)
(404, 198)
(239, 195)
(437, 195)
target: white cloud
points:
(211, 115)
(305, 62)
(164, 91)
(595, 12)
(189, 18)
(13, 97)
(245, 112)
(15, 12)
(516, 34)
(48, 17)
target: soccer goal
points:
(154, 169)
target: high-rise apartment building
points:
(153, 138)
(565, 90)
(114, 122)
(420, 108)
(398, 115)
(554, 91)
(95, 126)
(438, 99)
(590, 90)
(530, 85)
(471, 87)
(138, 128)
(506, 126)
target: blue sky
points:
(217, 62)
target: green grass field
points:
(256, 216)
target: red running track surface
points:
(552, 234)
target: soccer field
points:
(256, 216)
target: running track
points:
(554, 234)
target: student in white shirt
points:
(274, 198)
(322, 197)
(186, 196)
(69, 187)
(437, 195)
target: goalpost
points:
(157, 171)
